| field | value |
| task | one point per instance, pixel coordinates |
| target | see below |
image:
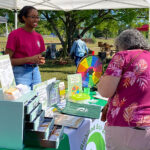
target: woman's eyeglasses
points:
(34, 17)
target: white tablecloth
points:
(91, 131)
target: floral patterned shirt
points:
(130, 105)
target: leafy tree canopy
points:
(67, 24)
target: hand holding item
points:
(41, 60)
(35, 59)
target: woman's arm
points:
(20, 61)
(108, 85)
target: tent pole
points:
(16, 20)
(6, 29)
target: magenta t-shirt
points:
(130, 105)
(25, 44)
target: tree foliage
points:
(123, 19)
(10, 17)
(67, 24)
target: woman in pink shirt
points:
(25, 46)
(126, 83)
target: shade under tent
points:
(68, 5)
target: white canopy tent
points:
(4, 20)
(68, 5)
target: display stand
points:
(11, 123)
(22, 115)
(12, 119)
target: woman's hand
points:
(37, 59)
(41, 60)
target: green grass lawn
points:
(92, 46)
(52, 68)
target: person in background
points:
(126, 82)
(25, 47)
(78, 49)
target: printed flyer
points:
(6, 73)
(68, 121)
(42, 90)
(74, 84)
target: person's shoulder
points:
(80, 41)
(124, 52)
(75, 42)
(120, 54)
(131, 52)
(38, 34)
(128, 54)
(35, 32)
(16, 31)
(83, 41)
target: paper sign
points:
(43, 89)
(6, 73)
(54, 96)
(74, 84)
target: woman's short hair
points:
(131, 39)
(24, 12)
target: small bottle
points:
(62, 90)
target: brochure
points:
(98, 96)
(53, 93)
(6, 73)
(68, 120)
(74, 84)
(42, 90)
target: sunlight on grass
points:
(92, 46)
(3, 41)
(50, 69)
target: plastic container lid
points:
(80, 97)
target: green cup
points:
(87, 90)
